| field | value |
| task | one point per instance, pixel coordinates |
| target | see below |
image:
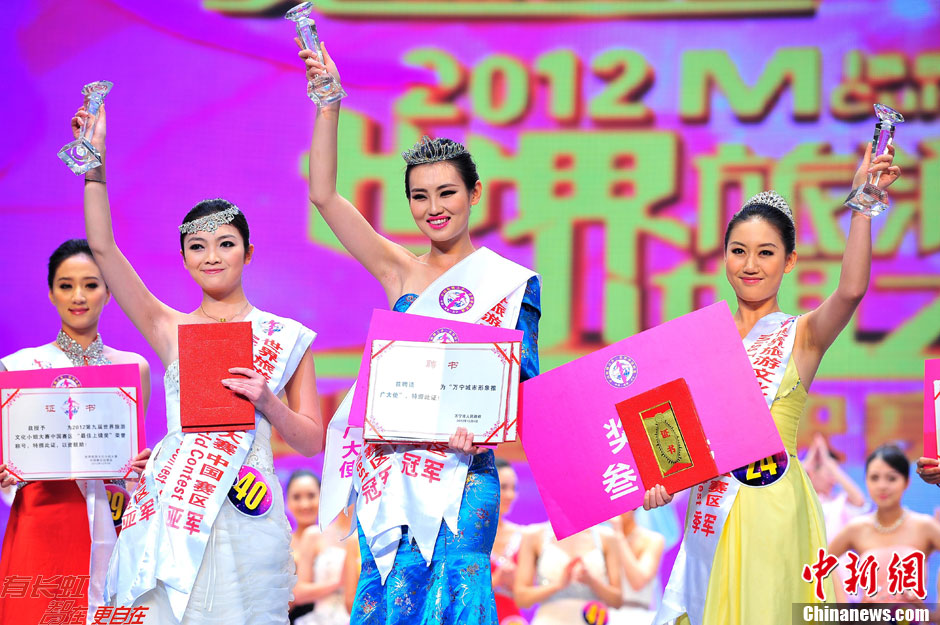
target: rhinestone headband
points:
(432, 151)
(772, 199)
(210, 223)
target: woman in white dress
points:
(303, 505)
(641, 553)
(321, 557)
(565, 576)
(186, 551)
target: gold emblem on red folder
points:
(665, 436)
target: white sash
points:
(169, 518)
(482, 288)
(100, 521)
(769, 346)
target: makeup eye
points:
(195, 247)
(737, 250)
(767, 253)
(65, 287)
(228, 244)
(448, 193)
(417, 196)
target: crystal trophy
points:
(323, 89)
(80, 155)
(868, 199)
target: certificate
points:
(422, 392)
(673, 405)
(68, 430)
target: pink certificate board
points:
(571, 431)
(387, 325)
(125, 376)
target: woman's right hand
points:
(314, 67)
(83, 117)
(929, 470)
(656, 497)
(6, 478)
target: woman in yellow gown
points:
(770, 533)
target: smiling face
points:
(885, 484)
(756, 259)
(216, 260)
(440, 202)
(78, 292)
(303, 500)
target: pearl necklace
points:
(882, 529)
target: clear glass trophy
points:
(80, 155)
(324, 89)
(868, 199)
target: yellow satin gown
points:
(770, 534)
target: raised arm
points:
(307, 589)
(525, 591)
(382, 258)
(821, 326)
(155, 320)
(641, 569)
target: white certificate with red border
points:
(422, 392)
(69, 433)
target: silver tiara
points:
(432, 151)
(771, 198)
(211, 222)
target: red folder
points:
(666, 437)
(207, 352)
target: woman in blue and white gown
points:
(213, 564)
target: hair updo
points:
(774, 216)
(208, 207)
(72, 247)
(893, 457)
(463, 163)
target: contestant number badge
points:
(763, 472)
(117, 501)
(665, 436)
(250, 494)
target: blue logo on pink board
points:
(456, 300)
(443, 335)
(620, 371)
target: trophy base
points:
(325, 90)
(868, 200)
(80, 155)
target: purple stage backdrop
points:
(614, 139)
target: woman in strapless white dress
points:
(564, 576)
(185, 552)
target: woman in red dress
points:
(50, 532)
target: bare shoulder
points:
(120, 357)
(311, 533)
(650, 539)
(925, 522)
